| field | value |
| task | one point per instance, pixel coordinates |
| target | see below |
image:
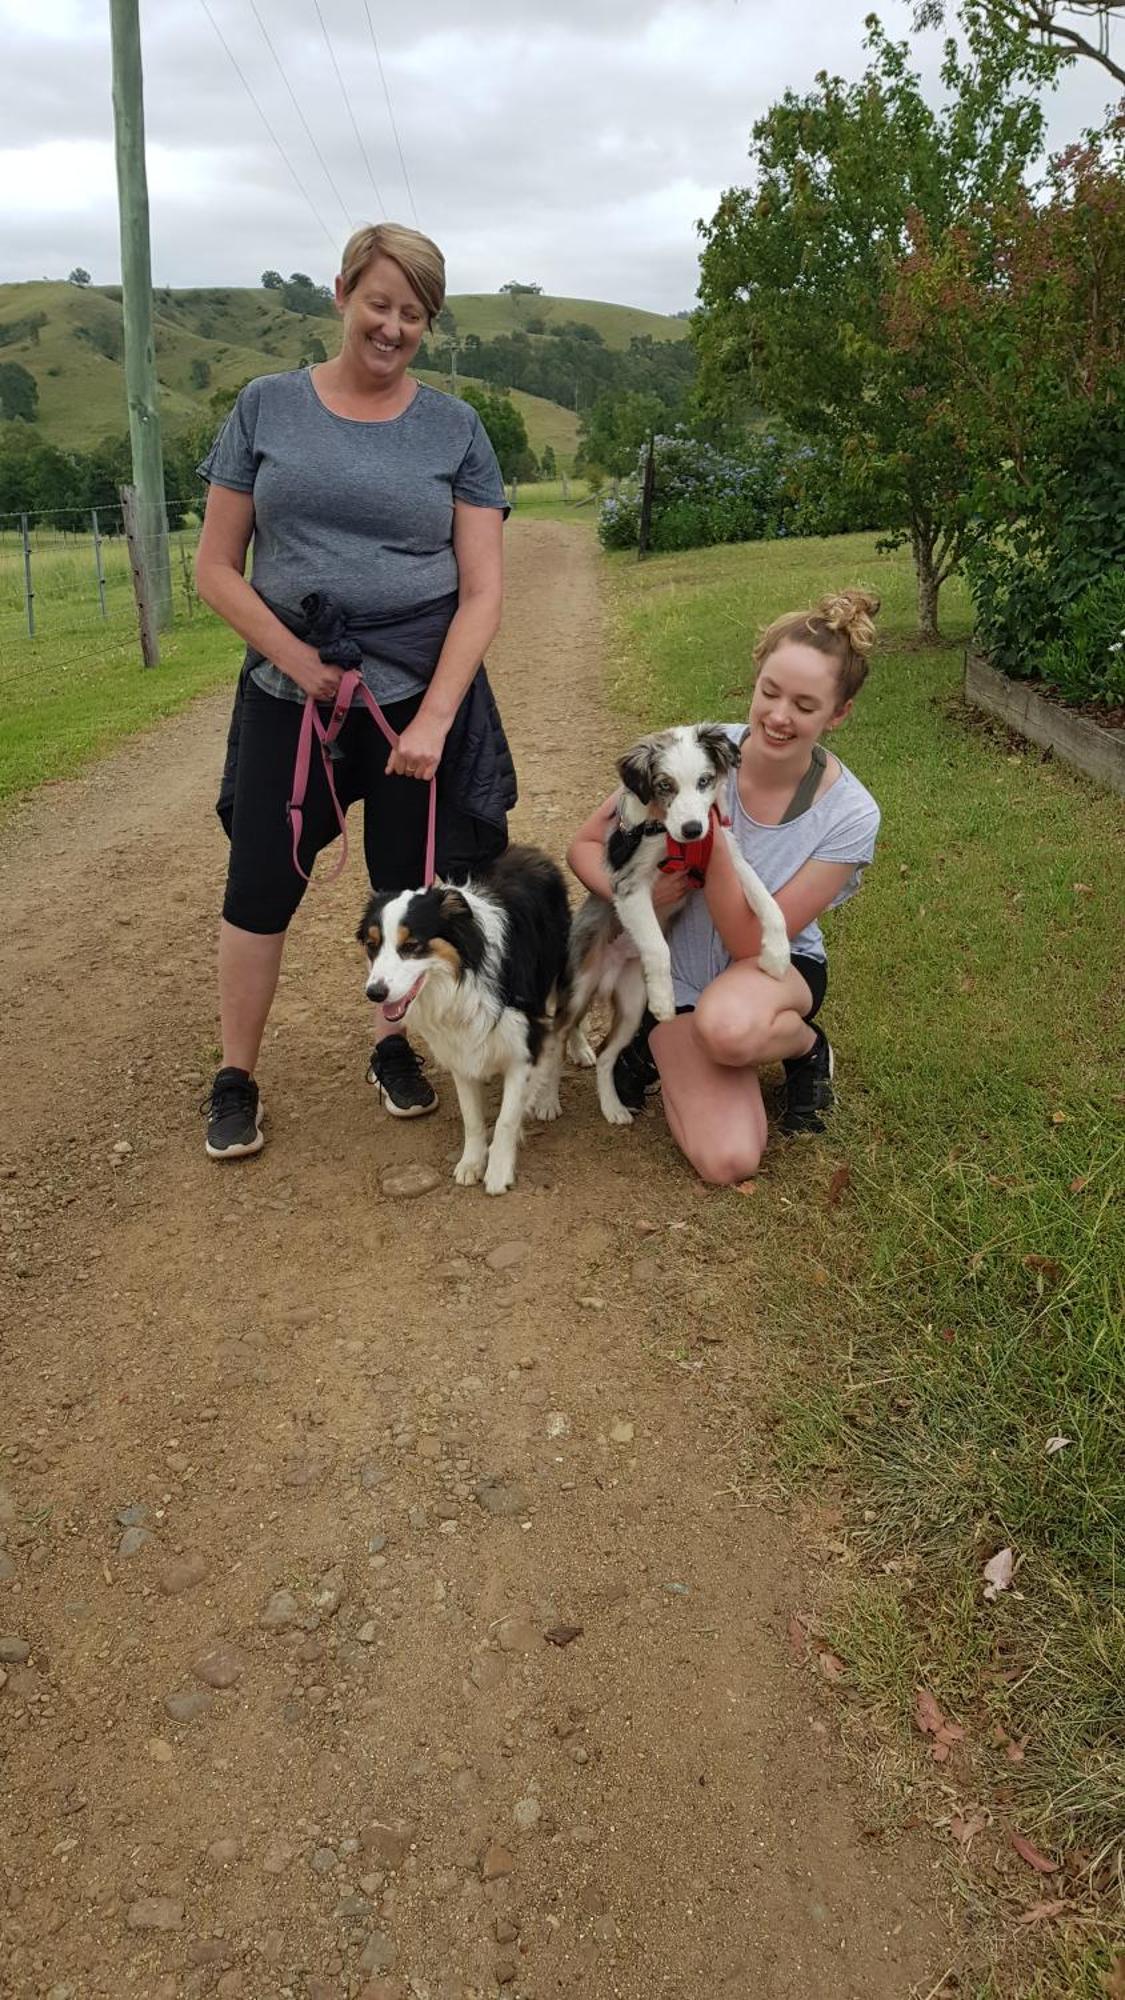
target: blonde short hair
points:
(419, 260)
(841, 625)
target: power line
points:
(300, 113)
(348, 102)
(269, 128)
(390, 112)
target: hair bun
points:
(852, 612)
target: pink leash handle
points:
(326, 734)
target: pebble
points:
(604, 1929)
(408, 1181)
(519, 1635)
(7, 1567)
(621, 1432)
(505, 1969)
(330, 1593)
(188, 1707)
(378, 1953)
(354, 1908)
(487, 1671)
(368, 1633)
(324, 1860)
(224, 1850)
(277, 1857)
(14, 1652)
(505, 1931)
(280, 1612)
(376, 1545)
(134, 1540)
(182, 1573)
(371, 1474)
(220, 1668)
(497, 1498)
(527, 1814)
(417, 1517)
(506, 1256)
(133, 1516)
(495, 1862)
(160, 1751)
(154, 1913)
(385, 1843)
(558, 1423)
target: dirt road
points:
(303, 1484)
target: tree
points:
(1043, 21)
(797, 270)
(548, 464)
(446, 321)
(272, 281)
(616, 427)
(78, 276)
(507, 432)
(315, 350)
(19, 392)
(516, 290)
(200, 372)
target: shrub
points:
(770, 486)
(1087, 661)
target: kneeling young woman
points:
(808, 827)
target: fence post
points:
(189, 595)
(644, 528)
(566, 490)
(28, 592)
(99, 571)
(150, 650)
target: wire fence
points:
(66, 576)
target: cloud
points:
(572, 143)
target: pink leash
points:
(350, 682)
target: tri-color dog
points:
(482, 972)
(619, 951)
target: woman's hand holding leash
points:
(417, 753)
(310, 673)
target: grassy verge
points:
(79, 686)
(939, 1286)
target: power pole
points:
(136, 291)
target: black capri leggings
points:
(263, 887)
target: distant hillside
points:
(70, 339)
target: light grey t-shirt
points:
(360, 511)
(841, 825)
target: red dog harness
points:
(351, 683)
(692, 857)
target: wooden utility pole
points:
(136, 290)
(142, 578)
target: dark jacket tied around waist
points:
(477, 775)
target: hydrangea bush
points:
(769, 488)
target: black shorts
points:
(814, 972)
(263, 887)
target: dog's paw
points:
(614, 1112)
(499, 1180)
(468, 1171)
(578, 1050)
(545, 1109)
(775, 959)
(662, 1000)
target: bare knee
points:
(726, 1032)
(725, 1164)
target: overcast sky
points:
(573, 143)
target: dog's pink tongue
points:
(393, 1010)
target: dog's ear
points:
(719, 746)
(452, 903)
(363, 933)
(636, 770)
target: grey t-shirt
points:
(360, 511)
(841, 825)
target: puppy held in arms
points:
(668, 811)
(481, 972)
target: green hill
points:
(70, 339)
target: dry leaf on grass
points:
(831, 1665)
(965, 1831)
(930, 1720)
(841, 1180)
(1057, 1444)
(798, 1637)
(998, 1573)
(746, 1187)
(1040, 1862)
(1080, 1184)
(1041, 1913)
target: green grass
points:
(79, 686)
(960, 1304)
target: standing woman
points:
(383, 497)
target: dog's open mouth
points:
(394, 1010)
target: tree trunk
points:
(929, 583)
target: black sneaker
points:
(233, 1111)
(397, 1071)
(634, 1072)
(808, 1088)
